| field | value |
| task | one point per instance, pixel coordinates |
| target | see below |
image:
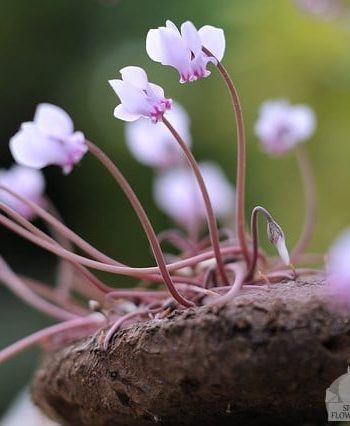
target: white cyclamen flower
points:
(153, 144)
(183, 49)
(339, 269)
(49, 139)
(281, 126)
(26, 182)
(139, 98)
(176, 192)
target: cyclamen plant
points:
(209, 269)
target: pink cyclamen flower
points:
(26, 182)
(183, 49)
(282, 126)
(49, 139)
(176, 193)
(338, 279)
(139, 98)
(153, 144)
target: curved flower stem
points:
(64, 280)
(145, 222)
(240, 273)
(116, 326)
(213, 230)
(43, 290)
(62, 229)
(17, 286)
(40, 234)
(310, 202)
(94, 320)
(113, 269)
(255, 238)
(241, 158)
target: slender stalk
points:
(310, 203)
(116, 326)
(255, 238)
(65, 274)
(64, 230)
(241, 158)
(49, 293)
(40, 336)
(17, 286)
(240, 273)
(213, 230)
(40, 234)
(100, 266)
(144, 220)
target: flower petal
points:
(121, 113)
(53, 121)
(166, 46)
(190, 36)
(31, 148)
(133, 98)
(26, 182)
(214, 40)
(153, 144)
(135, 76)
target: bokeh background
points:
(64, 52)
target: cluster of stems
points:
(211, 270)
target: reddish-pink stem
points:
(310, 202)
(144, 220)
(122, 270)
(17, 286)
(241, 159)
(212, 226)
(42, 335)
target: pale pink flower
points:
(139, 98)
(282, 126)
(339, 269)
(183, 49)
(176, 192)
(153, 144)
(49, 139)
(328, 9)
(26, 182)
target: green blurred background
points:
(64, 52)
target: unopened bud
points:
(276, 237)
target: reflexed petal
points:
(221, 192)
(176, 192)
(153, 145)
(135, 76)
(190, 36)
(171, 25)
(121, 113)
(167, 47)
(214, 40)
(154, 46)
(282, 126)
(133, 99)
(25, 181)
(338, 279)
(53, 121)
(304, 121)
(31, 148)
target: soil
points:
(266, 358)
